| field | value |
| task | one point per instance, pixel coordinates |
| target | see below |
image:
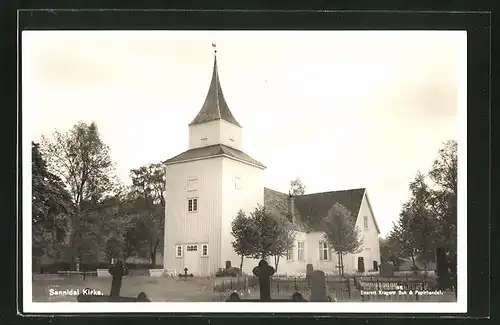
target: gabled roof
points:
(215, 106)
(216, 150)
(277, 203)
(311, 208)
(314, 207)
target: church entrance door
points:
(192, 258)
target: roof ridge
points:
(337, 191)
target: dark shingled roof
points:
(314, 207)
(277, 203)
(215, 150)
(215, 106)
(311, 208)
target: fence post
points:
(349, 287)
(296, 284)
(378, 284)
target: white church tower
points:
(206, 187)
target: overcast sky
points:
(339, 110)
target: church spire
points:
(215, 106)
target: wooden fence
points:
(337, 288)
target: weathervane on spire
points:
(215, 48)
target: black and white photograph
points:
(181, 171)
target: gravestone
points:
(117, 272)
(318, 286)
(228, 264)
(309, 271)
(442, 269)
(386, 269)
(185, 275)
(264, 272)
(375, 266)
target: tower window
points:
(365, 219)
(178, 251)
(193, 205)
(192, 248)
(192, 184)
(204, 250)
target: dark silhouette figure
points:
(297, 297)
(234, 297)
(142, 297)
(117, 271)
(264, 272)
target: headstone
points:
(185, 275)
(234, 297)
(375, 266)
(386, 269)
(117, 272)
(309, 271)
(443, 276)
(318, 286)
(228, 264)
(361, 264)
(264, 272)
(297, 297)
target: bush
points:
(230, 272)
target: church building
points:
(210, 182)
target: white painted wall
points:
(370, 234)
(294, 266)
(246, 198)
(215, 132)
(203, 226)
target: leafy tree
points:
(52, 208)
(390, 250)
(443, 175)
(246, 236)
(82, 161)
(341, 233)
(424, 223)
(284, 238)
(148, 196)
(273, 238)
(403, 232)
(297, 187)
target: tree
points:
(284, 237)
(424, 224)
(341, 233)
(274, 234)
(403, 233)
(148, 194)
(52, 208)
(297, 187)
(390, 250)
(246, 236)
(82, 161)
(443, 175)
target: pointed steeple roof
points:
(215, 106)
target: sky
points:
(338, 109)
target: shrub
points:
(231, 272)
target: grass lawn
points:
(157, 289)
